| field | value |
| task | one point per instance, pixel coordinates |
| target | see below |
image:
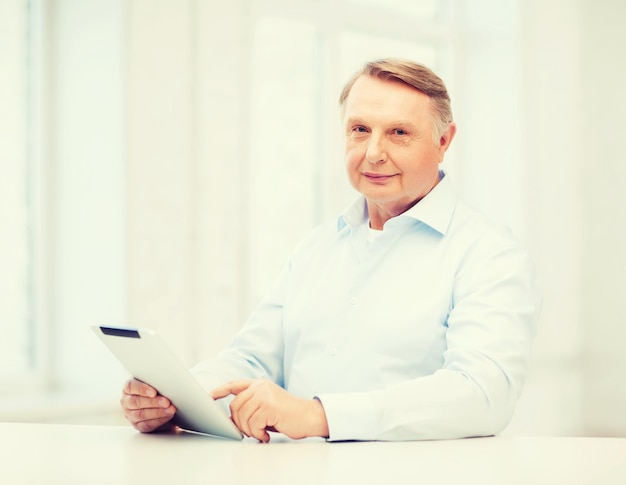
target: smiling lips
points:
(377, 177)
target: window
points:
(60, 201)
(19, 351)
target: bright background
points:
(160, 158)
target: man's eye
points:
(400, 132)
(359, 129)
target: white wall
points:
(186, 184)
(160, 166)
(603, 219)
(552, 157)
(574, 73)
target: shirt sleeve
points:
(490, 329)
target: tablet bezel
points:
(147, 358)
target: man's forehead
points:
(372, 89)
(369, 94)
(365, 80)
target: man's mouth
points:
(377, 177)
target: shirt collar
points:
(435, 209)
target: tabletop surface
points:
(68, 454)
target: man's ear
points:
(446, 138)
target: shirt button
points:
(332, 351)
(354, 300)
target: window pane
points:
(283, 173)
(14, 210)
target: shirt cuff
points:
(350, 416)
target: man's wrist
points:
(318, 421)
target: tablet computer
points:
(147, 358)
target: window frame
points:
(36, 375)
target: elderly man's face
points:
(392, 157)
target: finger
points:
(241, 408)
(136, 387)
(245, 420)
(137, 416)
(258, 424)
(133, 401)
(232, 387)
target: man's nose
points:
(376, 151)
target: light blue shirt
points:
(423, 331)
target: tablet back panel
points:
(147, 358)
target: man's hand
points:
(145, 408)
(261, 406)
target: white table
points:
(66, 454)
